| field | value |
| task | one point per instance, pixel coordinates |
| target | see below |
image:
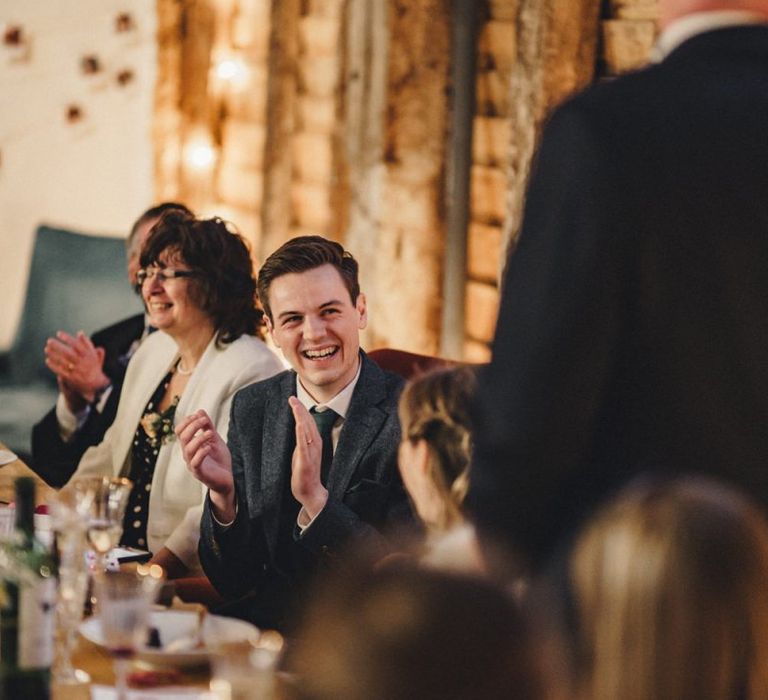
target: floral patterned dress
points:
(154, 429)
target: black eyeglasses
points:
(162, 274)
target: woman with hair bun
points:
(434, 459)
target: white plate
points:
(178, 624)
(6, 457)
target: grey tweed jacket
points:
(244, 561)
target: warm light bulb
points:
(226, 70)
(200, 155)
(232, 71)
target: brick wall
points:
(491, 139)
(629, 29)
(335, 122)
(531, 55)
(316, 118)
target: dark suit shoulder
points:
(131, 326)
(393, 384)
(376, 386)
(282, 383)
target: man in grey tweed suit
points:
(279, 506)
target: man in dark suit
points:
(292, 488)
(90, 373)
(633, 329)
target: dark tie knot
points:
(324, 420)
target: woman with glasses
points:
(198, 286)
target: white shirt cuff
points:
(69, 422)
(102, 398)
(218, 522)
(304, 521)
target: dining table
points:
(94, 659)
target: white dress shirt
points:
(689, 26)
(340, 404)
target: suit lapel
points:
(277, 450)
(362, 425)
(117, 342)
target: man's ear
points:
(271, 330)
(362, 310)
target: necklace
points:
(181, 370)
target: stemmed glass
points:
(69, 525)
(125, 599)
(103, 500)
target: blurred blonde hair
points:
(409, 633)
(670, 585)
(434, 407)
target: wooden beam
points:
(281, 109)
(410, 246)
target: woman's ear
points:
(421, 454)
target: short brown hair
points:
(224, 285)
(306, 253)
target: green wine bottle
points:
(27, 612)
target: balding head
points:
(670, 10)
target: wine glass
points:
(246, 669)
(125, 599)
(69, 525)
(103, 500)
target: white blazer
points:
(175, 503)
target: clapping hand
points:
(208, 458)
(306, 485)
(79, 368)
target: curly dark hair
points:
(154, 212)
(224, 285)
(306, 253)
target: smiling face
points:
(316, 325)
(169, 303)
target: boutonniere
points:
(159, 426)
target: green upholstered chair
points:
(76, 282)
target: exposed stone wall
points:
(411, 238)
(532, 54)
(317, 118)
(359, 145)
(166, 125)
(629, 30)
(492, 133)
(337, 124)
(336, 127)
(210, 107)
(543, 51)
(240, 111)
